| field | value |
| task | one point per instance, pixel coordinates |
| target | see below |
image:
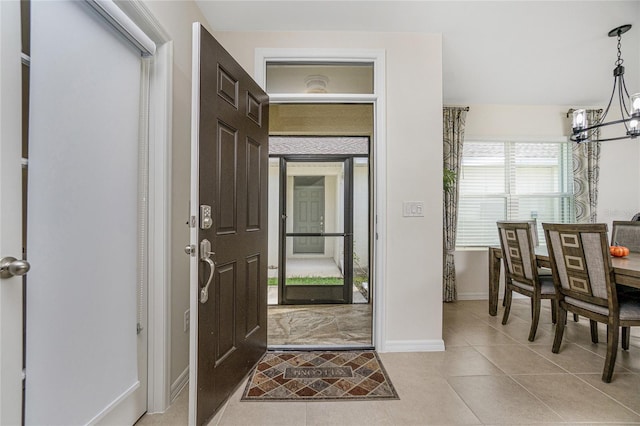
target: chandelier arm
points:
(593, 132)
(593, 129)
(623, 106)
(574, 139)
(597, 126)
(606, 110)
(624, 84)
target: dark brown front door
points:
(231, 141)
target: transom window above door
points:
(312, 78)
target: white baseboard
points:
(121, 410)
(413, 346)
(485, 296)
(473, 296)
(179, 384)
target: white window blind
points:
(512, 180)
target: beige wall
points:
(619, 190)
(413, 278)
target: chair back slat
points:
(579, 256)
(518, 251)
(626, 233)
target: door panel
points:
(225, 303)
(229, 168)
(254, 186)
(226, 160)
(252, 302)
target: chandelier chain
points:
(620, 60)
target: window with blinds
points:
(505, 180)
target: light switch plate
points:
(413, 209)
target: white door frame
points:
(159, 207)
(377, 57)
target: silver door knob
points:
(10, 266)
(190, 249)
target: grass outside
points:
(308, 281)
(357, 280)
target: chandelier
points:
(583, 131)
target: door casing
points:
(159, 220)
(378, 99)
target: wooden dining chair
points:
(533, 228)
(626, 233)
(585, 283)
(521, 272)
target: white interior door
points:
(10, 214)
(84, 222)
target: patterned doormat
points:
(305, 376)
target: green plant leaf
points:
(448, 179)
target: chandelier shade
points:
(583, 131)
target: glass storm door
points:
(316, 230)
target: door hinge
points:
(24, 374)
(139, 328)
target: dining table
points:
(626, 270)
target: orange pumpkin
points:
(619, 251)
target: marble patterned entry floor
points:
(319, 325)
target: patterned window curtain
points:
(453, 137)
(586, 173)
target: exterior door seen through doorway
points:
(308, 213)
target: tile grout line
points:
(607, 395)
(500, 369)
(537, 398)
(446, 379)
(511, 376)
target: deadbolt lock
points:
(206, 221)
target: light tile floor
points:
(489, 374)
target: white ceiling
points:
(494, 52)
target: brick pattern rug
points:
(306, 376)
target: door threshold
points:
(282, 348)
